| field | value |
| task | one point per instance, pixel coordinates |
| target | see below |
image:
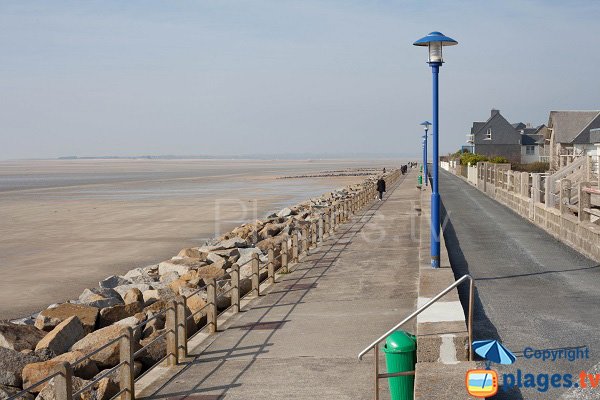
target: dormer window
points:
(488, 135)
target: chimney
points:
(494, 112)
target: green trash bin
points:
(400, 356)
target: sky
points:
(230, 77)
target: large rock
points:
(105, 389)
(51, 317)
(9, 391)
(155, 352)
(113, 281)
(246, 255)
(286, 212)
(139, 275)
(230, 243)
(123, 290)
(154, 326)
(61, 338)
(192, 253)
(228, 253)
(150, 296)
(178, 284)
(134, 295)
(200, 276)
(35, 372)
(49, 390)
(100, 297)
(110, 315)
(11, 366)
(28, 320)
(176, 266)
(171, 276)
(19, 337)
(108, 357)
(103, 292)
(265, 244)
(196, 303)
(271, 230)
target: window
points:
(530, 150)
(489, 134)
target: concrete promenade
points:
(300, 338)
(531, 290)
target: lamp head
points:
(435, 41)
(426, 125)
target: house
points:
(519, 143)
(572, 134)
(533, 142)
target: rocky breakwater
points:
(32, 348)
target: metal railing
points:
(375, 344)
(176, 313)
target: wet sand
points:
(65, 225)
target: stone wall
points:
(516, 190)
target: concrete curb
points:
(442, 336)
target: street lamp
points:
(435, 41)
(426, 125)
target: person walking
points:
(381, 187)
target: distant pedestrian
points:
(384, 170)
(381, 188)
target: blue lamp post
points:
(435, 41)
(426, 125)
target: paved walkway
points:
(300, 339)
(531, 290)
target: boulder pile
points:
(32, 347)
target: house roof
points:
(532, 139)
(568, 125)
(477, 127)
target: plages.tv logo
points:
(483, 383)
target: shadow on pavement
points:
(314, 269)
(483, 328)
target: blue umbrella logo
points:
(493, 351)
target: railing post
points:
(211, 302)
(284, 256)
(565, 195)
(304, 240)
(63, 382)
(171, 336)
(525, 184)
(271, 265)
(126, 378)
(536, 188)
(585, 201)
(331, 220)
(181, 328)
(313, 236)
(235, 288)
(294, 246)
(321, 227)
(255, 275)
(346, 211)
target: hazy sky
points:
(255, 76)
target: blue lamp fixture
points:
(435, 41)
(426, 125)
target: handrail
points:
(354, 200)
(426, 306)
(28, 388)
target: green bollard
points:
(400, 356)
(420, 180)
